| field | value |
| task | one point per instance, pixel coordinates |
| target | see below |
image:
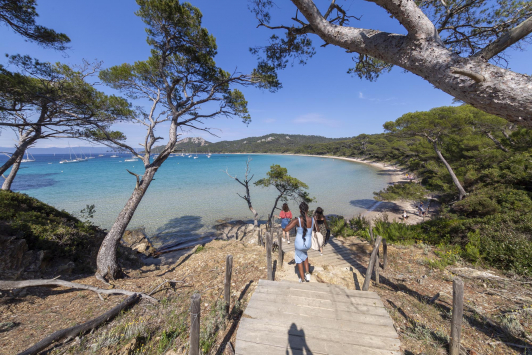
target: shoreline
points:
(395, 175)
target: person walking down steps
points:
(303, 240)
(285, 217)
(320, 228)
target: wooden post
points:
(456, 321)
(259, 239)
(371, 265)
(195, 307)
(371, 233)
(384, 254)
(281, 253)
(377, 267)
(227, 283)
(269, 256)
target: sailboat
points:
(82, 157)
(90, 157)
(28, 159)
(196, 157)
(209, 155)
(114, 156)
(69, 160)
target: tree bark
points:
(6, 186)
(106, 260)
(451, 172)
(19, 152)
(502, 92)
(497, 142)
(270, 219)
(255, 216)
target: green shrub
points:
(339, 227)
(46, 228)
(408, 191)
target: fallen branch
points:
(74, 331)
(9, 285)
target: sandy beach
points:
(394, 209)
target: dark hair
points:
(319, 211)
(285, 207)
(303, 209)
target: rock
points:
(473, 274)
(130, 238)
(130, 347)
(35, 262)
(65, 269)
(422, 279)
(171, 352)
(12, 257)
(137, 241)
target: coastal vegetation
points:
(60, 235)
(39, 101)
(247, 196)
(287, 187)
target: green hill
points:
(270, 143)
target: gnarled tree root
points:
(73, 332)
(9, 285)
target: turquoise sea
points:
(189, 195)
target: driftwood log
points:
(371, 265)
(74, 331)
(9, 285)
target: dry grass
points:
(145, 328)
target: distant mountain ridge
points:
(269, 143)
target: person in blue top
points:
(303, 241)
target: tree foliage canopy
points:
(21, 16)
(57, 97)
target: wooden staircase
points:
(285, 318)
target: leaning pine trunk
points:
(6, 186)
(450, 170)
(106, 260)
(19, 153)
(497, 142)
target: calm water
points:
(189, 195)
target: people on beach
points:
(303, 240)
(421, 209)
(286, 217)
(405, 216)
(320, 227)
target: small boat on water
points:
(29, 158)
(114, 156)
(100, 155)
(66, 161)
(133, 158)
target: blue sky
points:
(319, 98)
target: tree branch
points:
(9, 285)
(137, 176)
(506, 40)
